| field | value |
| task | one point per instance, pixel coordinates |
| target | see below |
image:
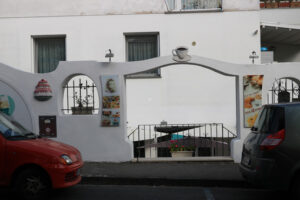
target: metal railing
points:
(279, 3)
(181, 5)
(208, 139)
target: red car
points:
(33, 165)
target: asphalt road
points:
(128, 192)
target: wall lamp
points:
(109, 55)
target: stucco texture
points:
(29, 8)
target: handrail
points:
(230, 131)
(132, 132)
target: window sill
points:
(143, 76)
(194, 11)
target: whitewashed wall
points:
(111, 144)
(223, 36)
(289, 16)
(96, 26)
(30, 8)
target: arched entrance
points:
(190, 104)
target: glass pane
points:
(48, 52)
(200, 4)
(142, 48)
(271, 120)
(171, 4)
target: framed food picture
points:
(110, 101)
(110, 118)
(252, 98)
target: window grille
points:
(200, 4)
(284, 90)
(80, 96)
(179, 5)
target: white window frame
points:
(137, 34)
(33, 41)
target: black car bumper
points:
(264, 174)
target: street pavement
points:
(211, 169)
(184, 180)
(129, 192)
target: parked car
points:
(271, 152)
(32, 165)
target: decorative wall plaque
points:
(110, 101)
(42, 91)
(47, 126)
(252, 98)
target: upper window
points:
(186, 5)
(48, 51)
(142, 47)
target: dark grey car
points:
(271, 151)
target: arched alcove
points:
(80, 96)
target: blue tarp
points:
(176, 137)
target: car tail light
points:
(273, 140)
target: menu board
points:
(252, 98)
(110, 101)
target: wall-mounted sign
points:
(42, 91)
(252, 98)
(110, 100)
(7, 104)
(47, 126)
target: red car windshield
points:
(12, 129)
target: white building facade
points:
(227, 30)
(280, 30)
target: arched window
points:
(284, 90)
(80, 96)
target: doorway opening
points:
(190, 108)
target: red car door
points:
(2, 149)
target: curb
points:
(165, 182)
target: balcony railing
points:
(193, 5)
(279, 4)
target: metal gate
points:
(204, 139)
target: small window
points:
(142, 47)
(48, 51)
(200, 4)
(192, 5)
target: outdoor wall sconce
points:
(109, 55)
